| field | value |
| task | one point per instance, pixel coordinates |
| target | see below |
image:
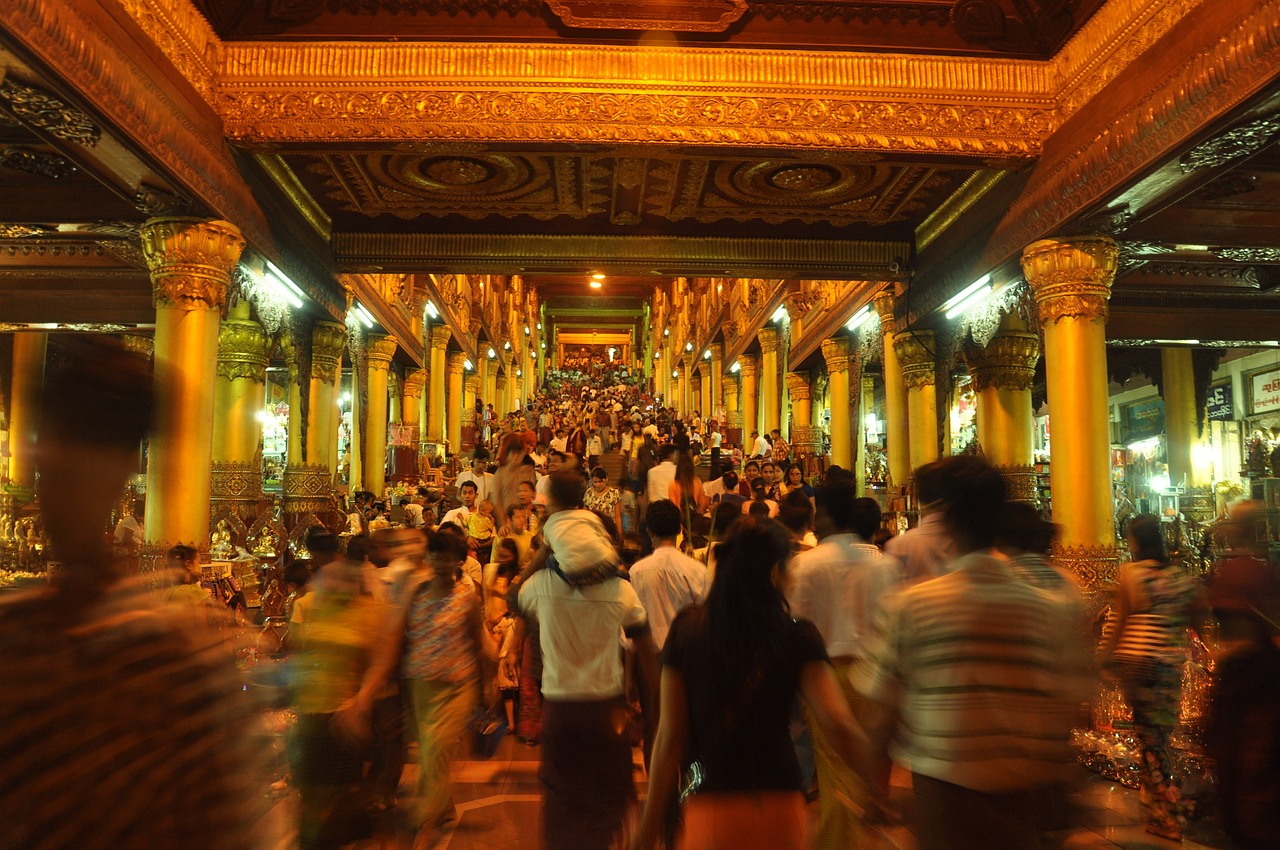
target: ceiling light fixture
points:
(595, 284)
(280, 285)
(492, 354)
(779, 314)
(466, 364)
(675, 373)
(506, 346)
(1176, 341)
(666, 331)
(597, 276)
(968, 298)
(706, 355)
(432, 312)
(527, 332)
(736, 367)
(364, 315)
(860, 318)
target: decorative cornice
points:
(47, 113)
(282, 175)
(1071, 279)
(686, 16)
(191, 260)
(1227, 147)
(961, 201)
(798, 386)
(328, 341)
(835, 352)
(1008, 362)
(242, 350)
(381, 350)
(184, 36)
(498, 253)
(915, 350)
(622, 94)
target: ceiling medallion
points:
(805, 178)
(457, 172)
(669, 15)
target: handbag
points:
(488, 728)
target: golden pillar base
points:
(307, 488)
(1020, 482)
(1095, 569)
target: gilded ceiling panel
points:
(627, 186)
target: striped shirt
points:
(987, 673)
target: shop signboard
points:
(1142, 420)
(1220, 404)
(1266, 392)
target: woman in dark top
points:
(731, 669)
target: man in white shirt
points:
(558, 442)
(478, 474)
(658, 482)
(459, 515)
(927, 549)
(668, 581)
(413, 509)
(840, 586)
(585, 772)
(760, 446)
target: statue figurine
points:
(268, 543)
(6, 530)
(220, 546)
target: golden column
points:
(508, 369)
(805, 439)
(482, 374)
(328, 339)
(239, 397)
(770, 406)
(695, 391)
(914, 352)
(29, 351)
(836, 352)
(1184, 422)
(436, 381)
(1002, 376)
(190, 263)
(414, 384)
(470, 390)
(293, 449)
(379, 351)
(897, 429)
(454, 401)
(715, 371)
(750, 370)
(732, 409)
(1072, 282)
(682, 387)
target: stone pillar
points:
(239, 398)
(1002, 376)
(328, 339)
(836, 352)
(454, 400)
(470, 423)
(1071, 280)
(715, 372)
(915, 354)
(897, 430)
(293, 449)
(29, 350)
(191, 262)
(732, 426)
(750, 370)
(490, 389)
(695, 392)
(482, 374)
(682, 389)
(770, 405)
(379, 351)
(436, 382)
(1183, 421)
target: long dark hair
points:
(1148, 539)
(746, 611)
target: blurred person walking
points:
(1146, 651)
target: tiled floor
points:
(498, 803)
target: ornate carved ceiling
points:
(1007, 27)
(821, 194)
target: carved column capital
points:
(915, 352)
(440, 337)
(885, 302)
(836, 352)
(1007, 363)
(242, 350)
(1071, 278)
(414, 382)
(471, 384)
(191, 260)
(798, 386)
(749, 365)
(455, 362)
(380, 350)
(508, 358)
(717, 355)
(769, 341)
(328, 341)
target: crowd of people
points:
(756, 637)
